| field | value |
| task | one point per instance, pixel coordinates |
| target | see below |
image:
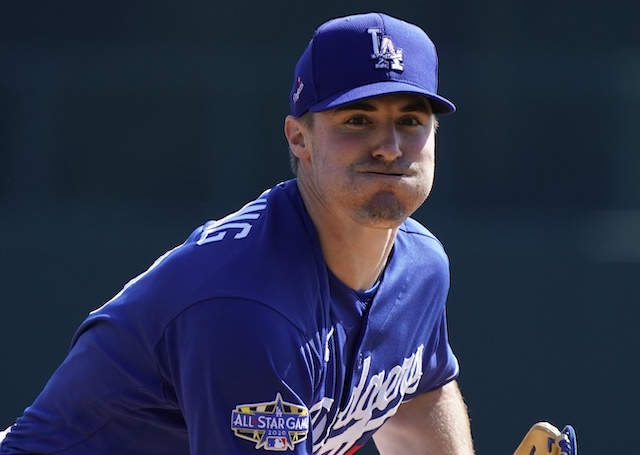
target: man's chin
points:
(383, 211)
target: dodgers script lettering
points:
(379, 394)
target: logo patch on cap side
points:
(384, 51)
(275, 425)
(299, 87)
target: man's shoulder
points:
(419, 237)
(257, 250)
(262, 252)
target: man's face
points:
(371, 161)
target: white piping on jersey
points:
(4, 433)
(327, 350)
(382, 391)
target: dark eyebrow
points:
(357, 106)
(417, 106)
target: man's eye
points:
(410, 121)
(357, 121)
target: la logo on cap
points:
(361, 56)
(385, 52)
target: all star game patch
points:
(275, 425)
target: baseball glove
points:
(545, 439)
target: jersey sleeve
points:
(243, 376)
(92, 402)
(441, 366)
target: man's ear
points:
(297, 134)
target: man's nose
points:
(388, 145)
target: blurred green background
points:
(124, 125)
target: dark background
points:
(124, 125)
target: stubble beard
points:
(388, 207)
(384, 210)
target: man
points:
(310, 320)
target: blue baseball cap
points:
(361, 56)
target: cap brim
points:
(439, 104)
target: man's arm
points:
(434, 423)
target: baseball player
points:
(308, 321)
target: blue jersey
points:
(241, 339)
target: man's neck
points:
(357, 255)
(360, 260)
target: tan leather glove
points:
(545, 439)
